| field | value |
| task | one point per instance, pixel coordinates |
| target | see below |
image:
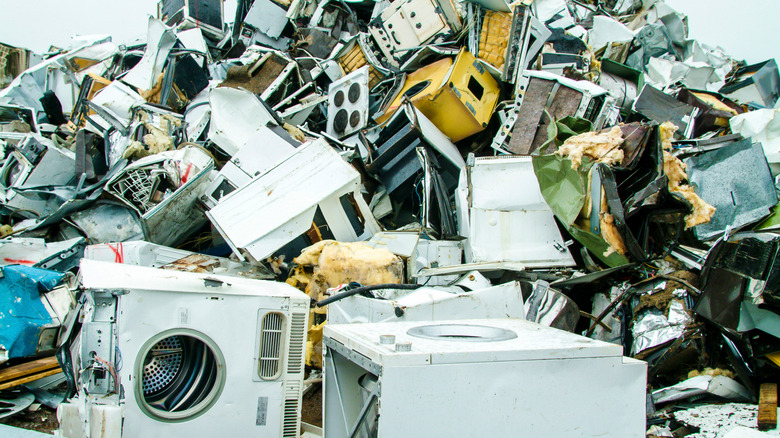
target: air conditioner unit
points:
(473, 378)
(167, 353)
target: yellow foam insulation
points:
(295, 132)
(609, 231)
(354, 59)
(494, 36)
(602, 147)
(136, 150)
(714, 372)
(775, 358)
(611, 234)
(715, 103)
(157, 140)
(314, 344)
(333, 263)
(675, 170)
(153, 95)
(327, 264)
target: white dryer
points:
(477, 378)
(166, 354)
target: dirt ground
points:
(311, 410)
(42, 420)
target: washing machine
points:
(477, 378)
(167, 354)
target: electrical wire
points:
(361, 289)
(111, 371)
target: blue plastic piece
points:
(22, 311)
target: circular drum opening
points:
(462, 332)
(179, 375)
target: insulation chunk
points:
(494, 36)
(674, 169)
(602, 147)
(335, 263)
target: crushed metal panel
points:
(35, 162)
(160, 40)
(203, 14)
(37, 253)
(108, 222)
(163, 189)
(430, 304)
(267, 17)
(736, 180)
(405, 25)
(513, 225)
(237, 118)
(141, 253)
(661, 107)
(395, 159)
(757, 83)
(400, 243)
(272, 145)
(622, 82)
(314, 176)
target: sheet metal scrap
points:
(482, 142)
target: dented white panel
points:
(279, 205)
(237, 117)
(509, 221)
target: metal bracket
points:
(359, 359)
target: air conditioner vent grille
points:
(271, 344)
(297, 343)
(292, 417)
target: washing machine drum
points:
(180, 377)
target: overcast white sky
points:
(748, 29)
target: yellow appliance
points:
(458, 97)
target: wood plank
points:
(29, 378)
(767, 407)
(28, 368)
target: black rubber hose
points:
(362, 289)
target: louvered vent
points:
(271, 343)
(292, 417)
(297, 343)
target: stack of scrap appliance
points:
(312, 218)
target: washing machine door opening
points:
(182, 374)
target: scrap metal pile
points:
(583, 165)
